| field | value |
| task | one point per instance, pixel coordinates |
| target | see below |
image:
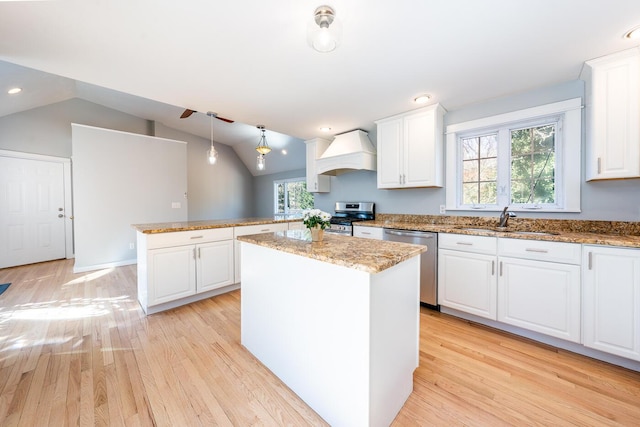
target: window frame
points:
(568, 143)
(275, 195)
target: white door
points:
(32, 217)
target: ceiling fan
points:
(189, 112)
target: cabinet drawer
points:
(179, 238)
(467, 243)
(567, 253)
(368, 232)
(260, 228)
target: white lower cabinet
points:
(540, 296)
(531, 284)
(172, 274)
(539, 286)
(368, 232)
(182, 271)
(611, 300)
(176, 268)
(467, 274)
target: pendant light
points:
(262, 149)
(212, 154)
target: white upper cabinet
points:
(613, 116)
(316, 183)
(410, 149)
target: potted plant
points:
(316, 221)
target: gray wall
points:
(263, 190)
(220, 191)
(604, 200)
(47, 130)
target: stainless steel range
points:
(346, 213)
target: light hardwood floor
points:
(76, 349)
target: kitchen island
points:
(337, 321)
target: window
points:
(527, 160)
(291, 196)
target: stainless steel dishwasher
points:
(428, 261)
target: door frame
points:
(68, 202)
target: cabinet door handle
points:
(264, 230)
(199, 253)
(197, 237)
(540, 251)
(464, 243)
(194, 253)
(493, 268)
(500, 268)
(590, 260)
(599, 165)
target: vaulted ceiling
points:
(250, 60)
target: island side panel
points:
(395, 337)
(308, 322)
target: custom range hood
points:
(349, 151)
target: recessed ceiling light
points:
(14, 90)
(325, 129)
(422, 99)
(284, 152)
(633, 33)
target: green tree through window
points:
(291, 196)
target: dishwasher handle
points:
(419, 234)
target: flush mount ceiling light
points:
(633, 33)
(262, 148)
(14, 90)
(212, 154)
(422, 99)
(325, 129)
(325, 31)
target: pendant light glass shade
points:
(212, 154)
(260, 162)
(263, 147)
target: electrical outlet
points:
(443, 209)
(132, 245)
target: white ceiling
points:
(249, 60)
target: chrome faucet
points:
(504, 217)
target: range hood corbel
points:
(349, 151)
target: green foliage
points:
(293, 197)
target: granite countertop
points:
(169, 227)
(610, 233)
(368, 255)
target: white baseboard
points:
(103, 266)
